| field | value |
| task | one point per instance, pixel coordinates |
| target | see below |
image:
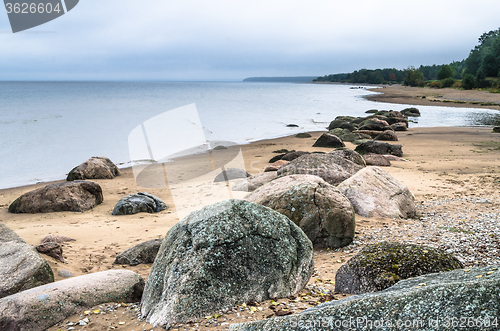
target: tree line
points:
(480, 69)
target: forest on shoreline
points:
(481, 69)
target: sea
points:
(47, 128)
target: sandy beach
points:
(451, 171)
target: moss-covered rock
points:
(225, 254)
(382, 265)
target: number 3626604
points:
(32, 8)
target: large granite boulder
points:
(44, 306)
(329, 140)
(324, 214)
(141, 202)
(411, 112)
(376, 160)
(332, 168)
(350, 155)
(225, 254)
(375, 124)
(375, 193)
(231, 173)
(438, 301)
(142, 253)
(349, 136)
(378, 147)
(75, 196)
(97, 167)
(387, 135)
(379, 266)
(253, 182)
(21, 267)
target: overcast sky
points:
(219, 39)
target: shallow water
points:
(47, 128)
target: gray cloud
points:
(159, 39)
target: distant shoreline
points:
(426, 96)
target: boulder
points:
(378, 147)
(411, 112)
(225, 254)
(54, 238)
(375, 193)
(392, 117)
(253, 182)
(349, 136)
(292, 126)
(96, 167)
(21, 267)
(329, 140)
(44, 306)
(375, 124)
(142, 253)
(379, 266)
(303, 135)
(275, 166)
(371, 134)
(51, 249)
(75, 196)
(376, 160)
(141, 202)
(231, 173)
(276, 158)
(394, 158)
(324, 214)
(350, 155)
(387, 135)
(399, 126)
(496, 129)
(332, 168)
(293, 155)
(427, 303)
(371, 111)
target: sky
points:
(232, 40)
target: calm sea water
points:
(47, 128)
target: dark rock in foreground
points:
(378, 147)
(427, 303)
(318, 208)
(225, 254)
(329, 140)
(141, 202)
(75, 196)
(97, 167)
(382, 265)
(142, 253)
(44, 306)
(51, 249)
(21, 267)
(231, 173)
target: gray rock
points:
(225, 254)
(430, 302)
(350, 155)
(141, 202)
(231, 173)
(7, 235)
(293, 155)
(142, 253)
(400, 126)
(253, 182)
(44, 306)
(379, 266)
(329, 140)
(376, 160)
(51, 249)
(375, 124)
(21, 268)
(75, 196)
(275, 166)
(375, 193)
(332, 168)
(54, 238)
(65, 273)
(387, 135)
(412, 112)
(324, 214)
(349, 136)
(378, 147)
(97, 167)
